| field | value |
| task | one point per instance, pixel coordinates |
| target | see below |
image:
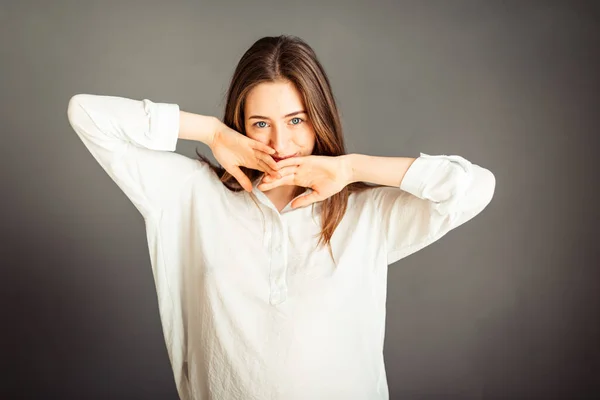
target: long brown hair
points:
(289, 58)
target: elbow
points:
(488, 188)
(475, 199)
(75, 107)
(483, 192)
(481, 195)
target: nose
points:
(281, 140)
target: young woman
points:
(271, 269)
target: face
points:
(275, 115)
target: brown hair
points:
(289, 58)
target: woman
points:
(277, 291)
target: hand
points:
(233, 150)
(325, 175)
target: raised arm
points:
(436, 194)
(134, 142)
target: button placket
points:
(278, 263)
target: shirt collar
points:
(267, 202)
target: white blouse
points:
(250, 308)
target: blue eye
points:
(300, 120)
(260, 122)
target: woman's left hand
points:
(325, 175)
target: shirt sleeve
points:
(437, 194)
(134, 142)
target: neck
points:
(281, 196)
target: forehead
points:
(273, 99)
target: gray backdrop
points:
(504, 307)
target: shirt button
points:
(278, 248)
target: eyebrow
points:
(285, 116)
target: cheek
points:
(252, 135)
(264, 139)
(308, 138)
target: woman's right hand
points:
(233, 150)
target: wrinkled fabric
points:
(250, 307)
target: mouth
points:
(277, 159)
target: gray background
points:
(504, 307)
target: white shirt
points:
(249, 308)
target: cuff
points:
(419, 172)
(436, 175)
(163, 132)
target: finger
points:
(266, 168)
(262, 147)
(268, 160)
(288, 162)
(306, 200)
(242, 179)
(282, 172)
(286, 180)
